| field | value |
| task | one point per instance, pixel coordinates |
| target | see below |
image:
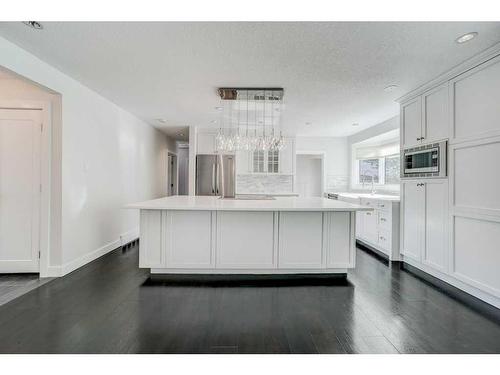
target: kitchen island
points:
(210, 235)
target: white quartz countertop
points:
(203, 203)
(385, 197)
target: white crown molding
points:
(468, 64)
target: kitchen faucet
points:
(373, 189)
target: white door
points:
(20, 132)
(436, 218)
(413, 211)
(411, 118)
(309, 176)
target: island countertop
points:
(210, 203)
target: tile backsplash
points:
(336, 182)
(264, 183)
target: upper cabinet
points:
(411, 121)
(476, 112)
(424, 119)
(435, 114)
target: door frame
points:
(45, 173)
(321, 155)
(175, 171)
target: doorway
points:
(172, 174)
(310, 175)
(20, 190)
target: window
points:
(272, 161)
(383, 170)
(392, 169)
(376, 161)
(258, 161)
(266, 161)
(369, 170)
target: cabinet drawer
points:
(384, 240)
(384, 219)
(383, 206)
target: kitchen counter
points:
(353, 195)
(206, 203)
(286, 235)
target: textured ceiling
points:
(333, 73)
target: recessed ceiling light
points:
(213, 121)
(34, 24)
(466, 37)
(162, 120)
(390, 88)
(308, 123)
(355, 124)
(218, 108)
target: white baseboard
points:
(52, 271)
(129, 236)
(66, 268)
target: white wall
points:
(109, 158)
(374, 131)
(336, 158)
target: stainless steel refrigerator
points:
(216, 175)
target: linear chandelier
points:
(250, 119)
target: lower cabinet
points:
(301, 244)
(245, 239)
(425, 222)
(379, 228)
(287, 241)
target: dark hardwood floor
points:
(111, 306)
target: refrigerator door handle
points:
(217, 179)
(213, 178)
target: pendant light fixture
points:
(250, 119)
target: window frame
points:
(274, 161)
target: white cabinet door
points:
(359, 224)
(436, 232)
(151, 253)
(188, 239)
(476, 98)
(411, 122)
(205, 143)
(435, 114)
(287, 157)
(413, 194)
(339, 242)
(370, 230)
(300, 244)
(241, 247)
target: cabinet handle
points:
(368, 213)
(382, 219)
(381, 205)
(418, 139)
(382, 238)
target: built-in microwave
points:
(425, 161)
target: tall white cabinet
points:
(450, 228)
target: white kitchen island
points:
(209, 235)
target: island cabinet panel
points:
(245, 240)
(187, 239)
(301, 240)
(339, 239)
(151, 254)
